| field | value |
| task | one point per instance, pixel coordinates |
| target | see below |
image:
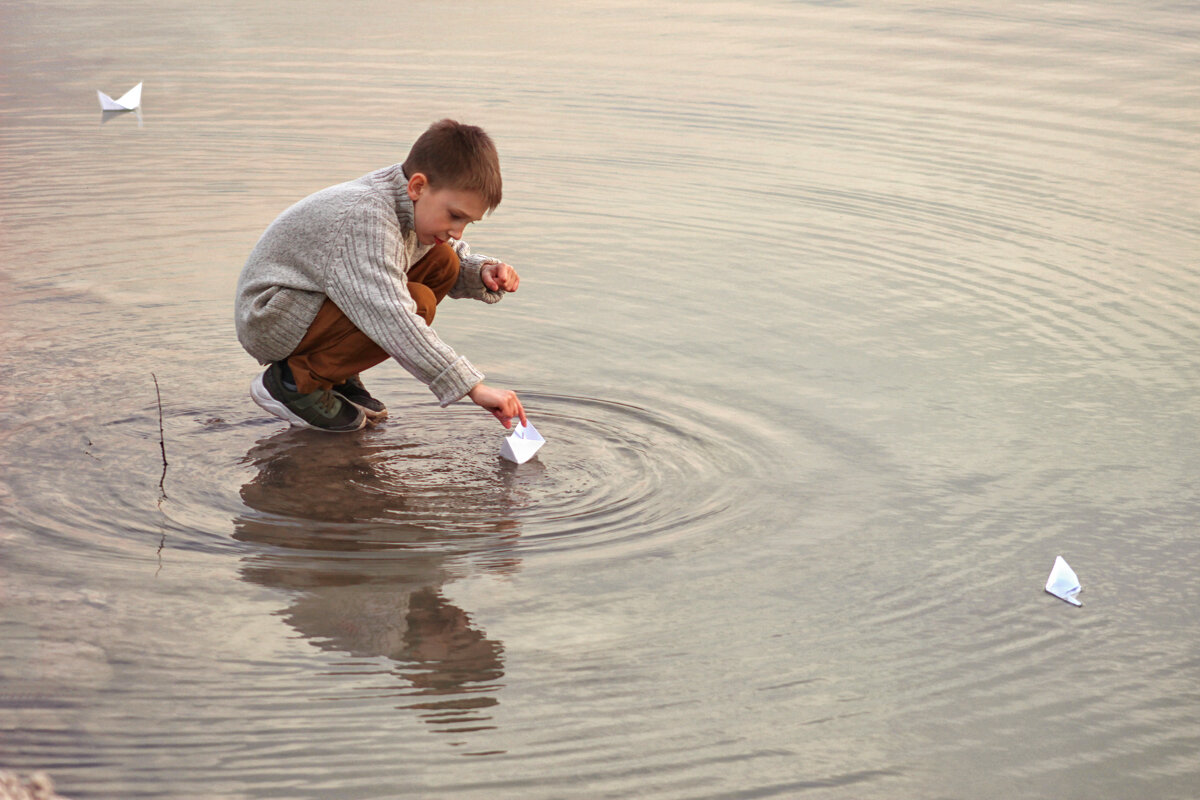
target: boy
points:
(353, 274)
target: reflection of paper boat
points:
(126, 102)
(521, 444)
(1063, 583)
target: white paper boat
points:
(126, 102)
(1063, 582)
(521, 444)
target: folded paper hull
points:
(1063, 583)
(522, 444)
(126, 102)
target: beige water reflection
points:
(368, 585)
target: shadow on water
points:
(323, 513)
(108, 116)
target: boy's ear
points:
(417, 185)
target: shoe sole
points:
(260, 395)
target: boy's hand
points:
(499, 276)
(503, 404)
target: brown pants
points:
(334, 349)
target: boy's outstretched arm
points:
(499, 276)
(503, 404)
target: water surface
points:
(841, 320)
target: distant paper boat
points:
(521, 444)
(126, 102)
(1063, 583)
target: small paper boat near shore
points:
(522, 443)
(126, 102)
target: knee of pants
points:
(426, 300)
(438, 270)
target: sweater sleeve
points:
(470, 279)
(367, 280)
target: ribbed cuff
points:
(472, 266)
(455, 381)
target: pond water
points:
(841, 321)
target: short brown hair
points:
(457, 156)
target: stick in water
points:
(162, 441)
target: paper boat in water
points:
(126, 102)
(1063, 582)
(521, 444)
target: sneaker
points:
(322, 410)
(354, 391)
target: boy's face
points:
(441, 214)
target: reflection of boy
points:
(353, 274)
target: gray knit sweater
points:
(353, 243)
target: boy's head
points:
(453, 174)
(456, 156)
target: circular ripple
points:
(610, 474)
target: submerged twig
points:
(161, 544)
(162, 440)
(162, 445)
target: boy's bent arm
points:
(470, 275)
